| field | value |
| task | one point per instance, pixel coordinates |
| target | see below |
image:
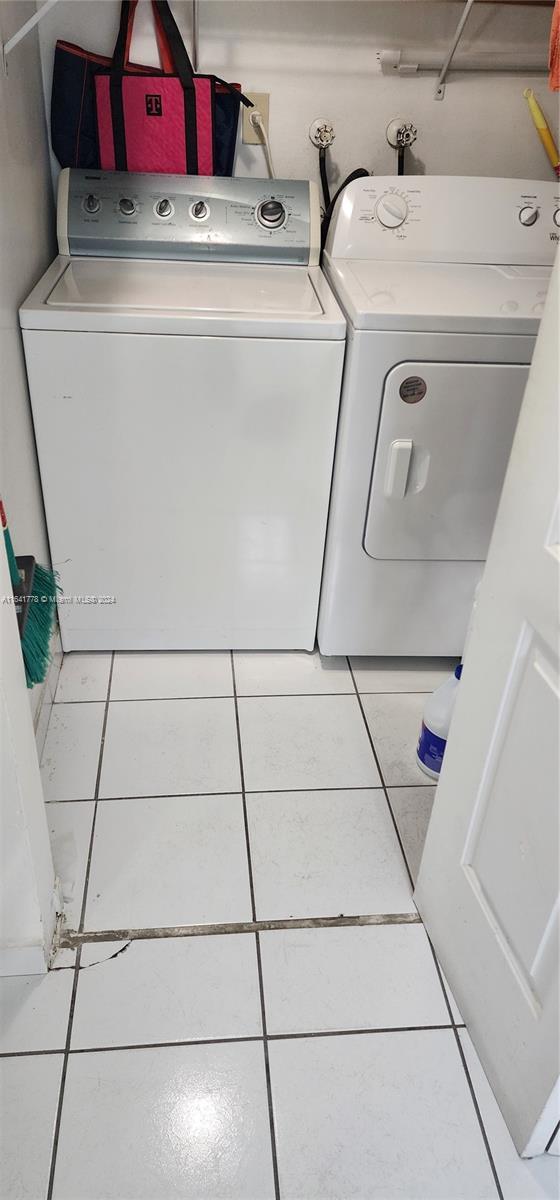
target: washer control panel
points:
(122, 215)
(457, 219)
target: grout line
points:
(221, 1041)
(455, 1027)
(30, 1053)
(96, 797)
(326, 1033)
(248, 792)
(478, 1113)
(224, 1041)
(257, 945)
(381, 776)
(70, 939)
(244, 696)
(552, 1137)
(58, 1119)
(79, 953)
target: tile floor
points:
(300, 1063)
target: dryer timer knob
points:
(391, 210)
(528, 214)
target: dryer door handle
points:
(398, 465)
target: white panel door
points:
(488, 883)
(443, 444)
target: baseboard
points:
(42, 695)
(23, 960)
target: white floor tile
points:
(394, 722)
(167, 990)
(168, 861)
(381, 1115)
(288, 673)
(70, 831)
(317, 854)
(412, 807)
(305, 742)
(29, 1089)
(374, 977)
(34, 1011)
(156, 676)
(83, 677)
(521, 1178)
(159, 1124)
(401, 674)
(71, 752)
(170, 747)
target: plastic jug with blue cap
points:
(438, 711)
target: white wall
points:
(26, 246)
(319, 59)
(28, 896)
(27, 884)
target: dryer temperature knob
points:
(391, 210)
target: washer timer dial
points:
(271, 214)
(391, 210)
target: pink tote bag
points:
(162, 122)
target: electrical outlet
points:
(250, 134)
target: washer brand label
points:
(153, 106)
(412, 389)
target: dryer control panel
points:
(189, 217)
(454, 219)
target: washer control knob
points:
(528, 214)
(200, 210)
(164, 207)
(271, 214)
(556, 217)
(391, 210)
(127, 206)
(92, 204)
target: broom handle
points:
(15, 576)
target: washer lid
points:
(131, 295)
(440, 297)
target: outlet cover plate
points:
(250, 134)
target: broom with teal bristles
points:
(34, 589)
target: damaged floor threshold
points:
(69, 939)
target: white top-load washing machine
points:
(184, 355)
(443, 281)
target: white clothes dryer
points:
(184, 355)
(443, 281)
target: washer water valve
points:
(401, 134)
(322, 134)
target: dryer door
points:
(443, 444)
